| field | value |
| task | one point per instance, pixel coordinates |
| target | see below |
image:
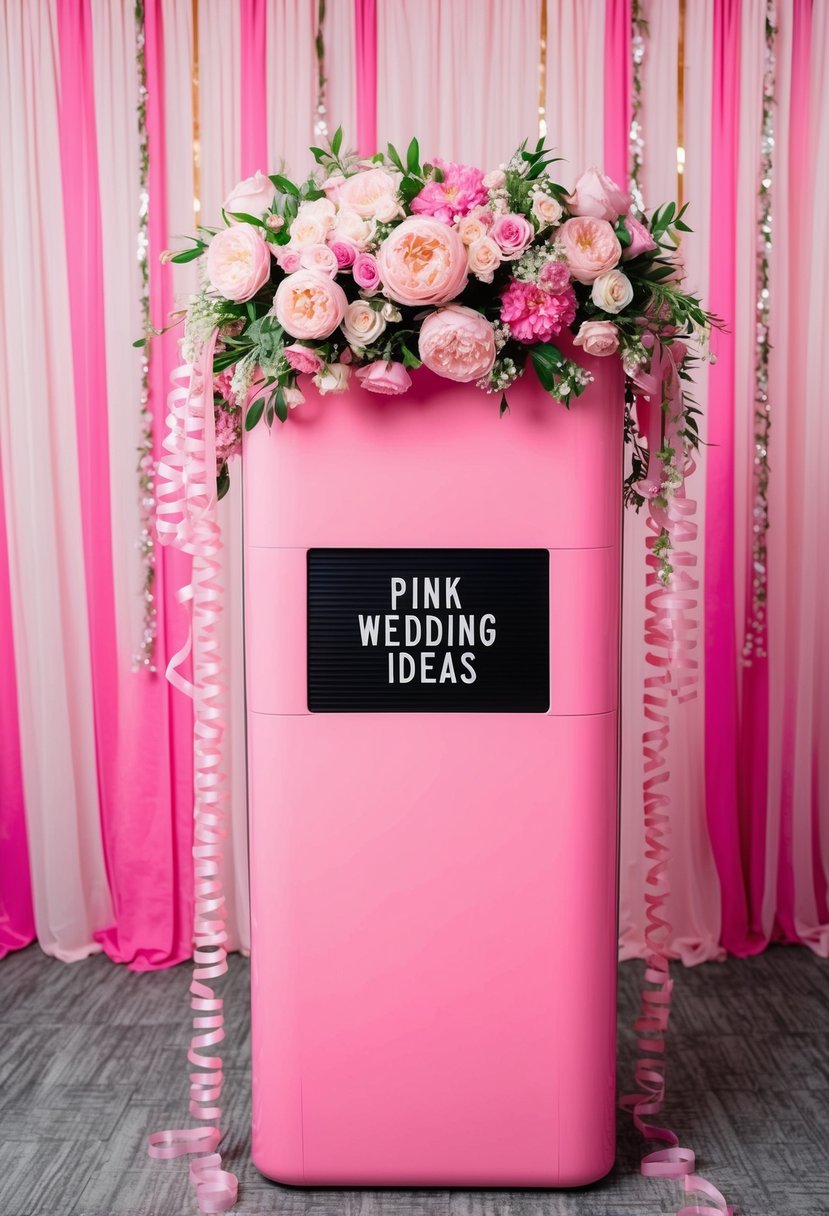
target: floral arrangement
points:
(371, 268)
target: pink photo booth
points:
(432, 656)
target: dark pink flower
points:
(534, 314)
(366, 271)
(462, 189)
(555, 276)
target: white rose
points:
(387, 209)
(612, 291)
(349, 226)
(253, 196)
(546, 209)
(471, 229)
(332, 378)
(293, 397)
(319, 257)
(362, 324)
(308, 230)
(319, 208)
(484, 258)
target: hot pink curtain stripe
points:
(617, 69)
(17, 921)
(365, 47)
(254, 110)
(721, 731)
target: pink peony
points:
(344, 252)
(422, 261)
(598, 195)
(462, 189)
(390, 379)
(534, 314)
(555, 276)
(641, 240)
(238, 262)
(372, 193)
(512, 234)
(590, 246)
(253, 196)
(597, 338)
(302, 359)
(457, 343)
(366, 271)
(309, 304)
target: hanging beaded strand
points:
(144, 658)
(636, 142)
(754, 646)
(321, 120)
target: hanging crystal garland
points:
(144, 658)
(754, 646)
(636, 142)
(321, 120)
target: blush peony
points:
(309, 304)
(590, 247)
(253, 196)
(422, 261)
(238, 262)
(371, 193)
(534, 314)
(457, 343)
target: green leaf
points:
(255, 411)
(222, 481)
(504, 409)
(141, 342)
(247, 219)
(337, 141)
(409, 187)
(284, 184)
(622, 232)
(281, 405)
(319, 155)
(413, 157)
(410, 360)
(394, 157)
(188, 255)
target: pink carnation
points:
(555, 276)
(534, 314)
(228, 435)
(462, 189)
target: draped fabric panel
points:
(96, 779)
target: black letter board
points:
(428, 630)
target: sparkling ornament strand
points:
(754, 646)
(636, 142)
(144, 658)
(321, 121)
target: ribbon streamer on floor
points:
(186, 518)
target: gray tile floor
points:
(92, 1058)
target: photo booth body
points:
(432, 666)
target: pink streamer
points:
(670, 640)
(365, 49)
(187, 519)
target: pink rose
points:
(253, 196)
(534, 314)
(598, 195)
(591, 247)
(457, 343)
(287, 259)
(332, 185)
(390, 379)
(512, 233)
(598, 338)
(319, 257)
(309, 304)
(366, 271)
(484, 258)
(641, 240)
(302, 359)
(344, 252)
(238, 262)
(422, 261)
(372, 193)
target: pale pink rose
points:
(308, 304)
(496, 180)
(332, 378)
(312, 223)
(422, 261)
(366, 272)
(472, 228)
(349, 226)
(457, 343)
(597, 338)
(293, 396)
(302, 359)
(319, 257)
(253, 196)
(371, 193)
(546, 209)
(612, 291)
(641, 240)
(390, 379)
(362, 324)
(332, 186)
(513, 233)
(590, 246)
(287, 259)
(238, 262)
(484, 258)
(598, 195)
(344, 252)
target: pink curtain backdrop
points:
(96, 779)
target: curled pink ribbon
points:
(186, 518)
(670, 643)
